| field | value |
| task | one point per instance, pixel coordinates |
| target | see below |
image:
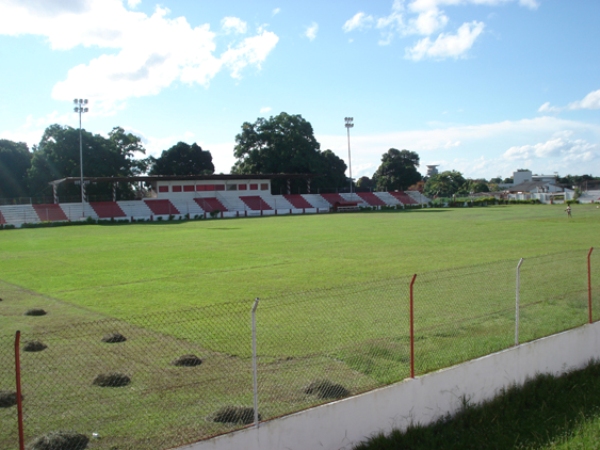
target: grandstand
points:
(202, 196)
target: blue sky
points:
(481, 86)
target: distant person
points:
(568, 210)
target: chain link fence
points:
(158, 381)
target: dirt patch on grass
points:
(187, 361)
(60, 440)
(113, 379)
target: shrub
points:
(214, 213)
(235, 414)
(35, 312)
(34, 346)
(8, 399)
(326, 389)
(113, 379)
(59, 440)
(114, 338)
(187, 361)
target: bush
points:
(113, 379)
(235, 414)
(34, 346)
(60, 440)
(326, 389)
(214, 213)
(8, 399)
(35, 312)
(187, 361)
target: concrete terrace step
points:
(210, 204)
(107, 210)
(255, 203)
(298, 201)
(371, 199)
(162, 207)
(50, 213)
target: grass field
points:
(333, 292)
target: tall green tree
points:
(57, 156)
(285, 144)
(446, 184)
(183, 159)
(397, 171)
(15, 160)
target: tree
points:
(364, 184)
(446, 184)
(15, 160)
(285, 144)
(398, 170)
(57, 156)
(183, 159)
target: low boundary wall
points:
(345, 423)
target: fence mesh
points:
(164, 380)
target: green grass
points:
(334, 304)
(546, 413)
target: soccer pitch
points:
(124, 270)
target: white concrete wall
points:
(342, 424)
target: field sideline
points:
(132, 269)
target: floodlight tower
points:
(80, 108)
(349, 123)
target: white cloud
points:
(234, 25)
(265, 109)
(133, 3)
(560, 145)
(276, 11)
(426, 18)
(358, 22)
(311, 31)
(147, 52)
(447, 45)
(590, 101)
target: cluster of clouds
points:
(141, 54)
(568, 145)
(427, 19)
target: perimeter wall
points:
(342, 424)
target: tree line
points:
(282, 144)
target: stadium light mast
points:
(80, 108)
(349, 123)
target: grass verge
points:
(547, 412)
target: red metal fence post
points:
(590, 284)
(19, 399)
(412, 328)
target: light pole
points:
(349, 123)
(79, 108)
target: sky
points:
(484, 87)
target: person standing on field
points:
(568, 210)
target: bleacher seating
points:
(418, 197)
(210, 204)
(332, 199)
(371, 199)
(255, 203)
(107, 210)
(404, 197)
(19, 214)
(50, 213)
(161, 207)
(298, 201)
